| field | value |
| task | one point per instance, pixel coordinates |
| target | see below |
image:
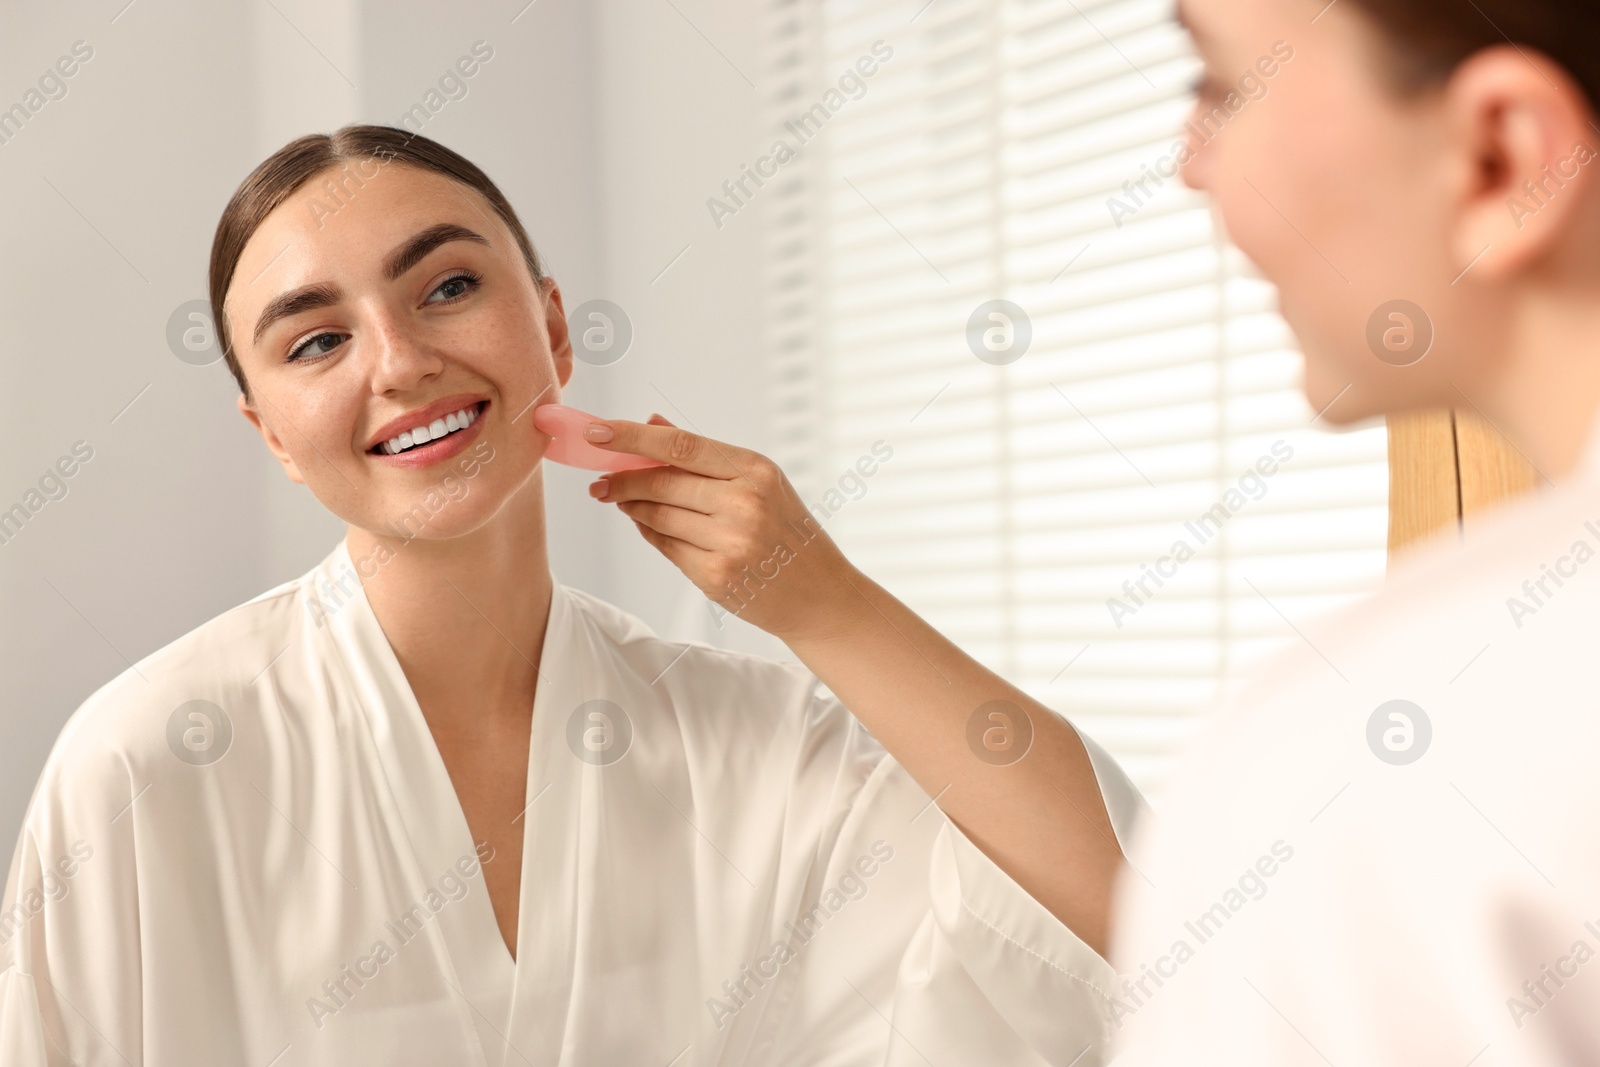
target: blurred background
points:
(940, 234)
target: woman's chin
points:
(416, 525)
(1327, 389)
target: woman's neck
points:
(1545, 399)
(467, 615)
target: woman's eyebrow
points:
(412, 252)
(402, 259)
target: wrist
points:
(833, 601)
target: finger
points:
(668, 444)
(680, 554)
(696, 529)
(667, 485)
(658, 419)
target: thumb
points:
(660, 420)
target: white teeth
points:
(421, 435)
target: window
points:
(1034, 508)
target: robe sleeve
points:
(22, 1039)
(943, 958)
(70, 985)
(993, 972)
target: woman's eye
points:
(306, 352)
(459, 284)
(456, 287)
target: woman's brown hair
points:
(302, 159)
(1429, 38)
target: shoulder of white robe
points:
(115, 745)
(126, 721)
(627, 633)
(1427, 589)
(619, 626)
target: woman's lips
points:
(438, 450)
(441, 408)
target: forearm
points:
(1038, 815)
(1033, 808)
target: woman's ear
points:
(274, 445)
(555, 316)
(1522, 145)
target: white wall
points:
(607, 125)
(677, 117)
(112, 195)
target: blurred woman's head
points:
(1431, 153)
(374, 278)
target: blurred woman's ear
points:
(1519, 131)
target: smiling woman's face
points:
(408, 304)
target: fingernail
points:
(598, 432)
(599, 489)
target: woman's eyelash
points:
(296, 357)
(472, 278)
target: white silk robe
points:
(1335, 878)
(720, 866)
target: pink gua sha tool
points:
(565, 427)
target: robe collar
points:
(427, 814)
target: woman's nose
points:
(400, 360)
(1196, 168)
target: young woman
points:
(1383, 850)
(427, 805)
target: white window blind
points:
(977, 164)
